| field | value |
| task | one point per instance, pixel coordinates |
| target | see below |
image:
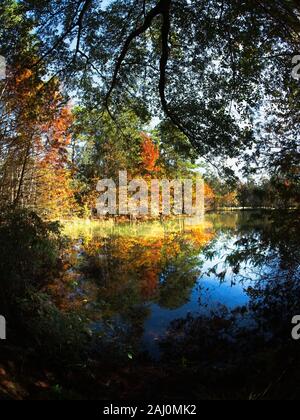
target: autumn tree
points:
(206, 66)
(210, 196)
(26, 106)
(33, 121)
(55, 194)
(149, 155)
(105, 149)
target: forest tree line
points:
(71, 116)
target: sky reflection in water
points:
(140, 278)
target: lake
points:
(144, 285)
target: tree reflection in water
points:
(217, 300)
(249, 347)
(117, 276)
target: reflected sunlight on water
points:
(139, 277)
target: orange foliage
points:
(230, 199)
(55, 192)
(209, 192)
(149, 154)
(24, 76)
(209, 195)
(129, 267)
(56, 139)
(149, 284)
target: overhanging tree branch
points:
(85, 7)
(165, 53)
(163, 8)
(156, 11)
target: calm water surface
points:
(134, 281)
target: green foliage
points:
(29, 259)
(277, 192)
(177, 155)
(59, 337)
(105, 148)
(28, 251)
(220, 63)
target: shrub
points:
(29, 251)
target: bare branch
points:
(156, 11)
(86, 6)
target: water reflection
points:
(150, 285)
